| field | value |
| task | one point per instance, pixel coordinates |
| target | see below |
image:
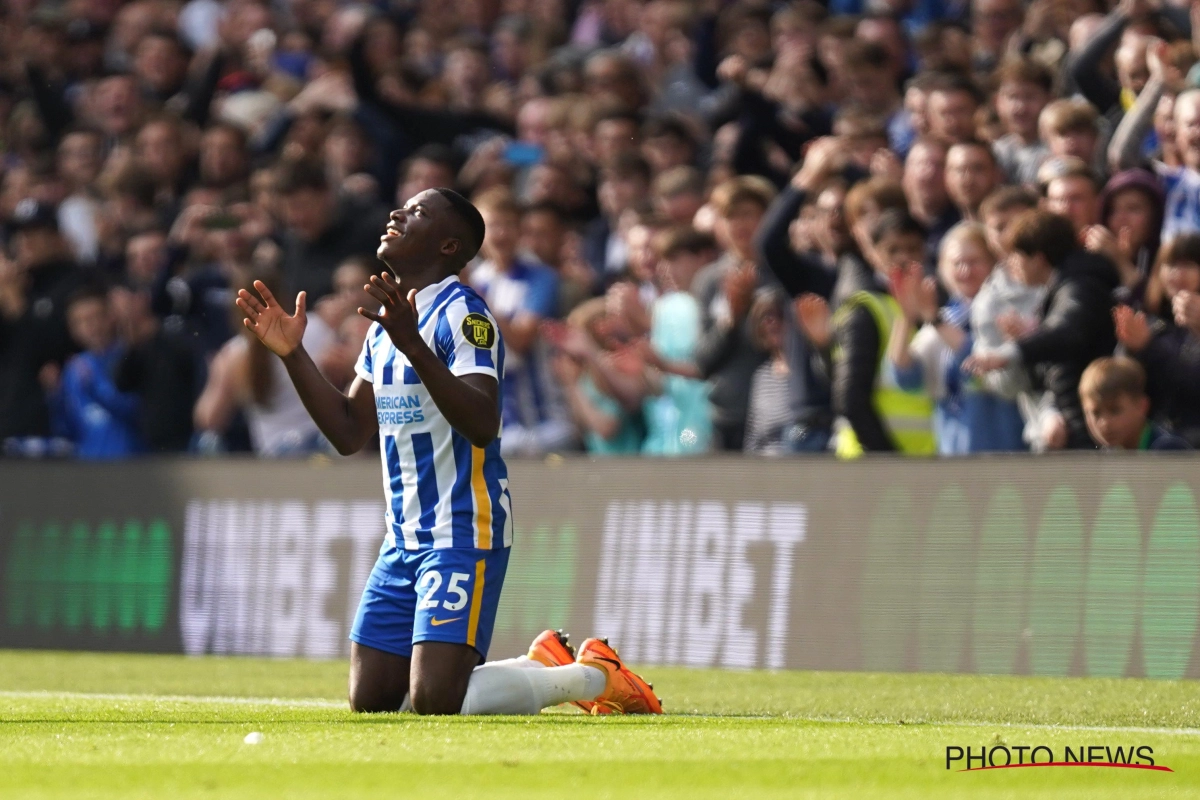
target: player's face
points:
(413, 232)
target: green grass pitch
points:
(133, 726)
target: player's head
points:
(436, 226)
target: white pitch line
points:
(315, 702)
(1041, 726)
(299, 702)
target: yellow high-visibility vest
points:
(907, 415)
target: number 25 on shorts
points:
(431, 581)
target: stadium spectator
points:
(162, 365)
(584, 362)
(881, 416)
(1113, 392)
(244, 377)
(1004, 302)
(953, 101)
(968, 418)
(1131, 209)
(321, 229)
(180, 148)
(1070, 130)
(925, 191)
(971, 175)
(768, 416)
(726, 353)
(676, 408)
(1025, 87)
(1167, 342)
(1072, 191)
(521, 295)
(36, 278)
(1074, 325)
(99, 420)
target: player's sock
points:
(524, 662)
(566, 684)
(500, 688)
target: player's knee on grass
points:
(378, 680)
(439, 678)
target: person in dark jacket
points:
(322, 230)
(815, 280)
(34, 341)
(1131, 210)
(1075, 325)
(162, 365)
(1166, 341)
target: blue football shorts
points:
(445, 595)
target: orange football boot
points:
(553, 649)
(626, 692)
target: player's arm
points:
(347, 420)
(470, 403)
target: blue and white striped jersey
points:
(441, 491)
(1182, 211)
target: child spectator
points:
(99, 420)
(1004, 300)
(678, 421)
(1113, 393)
(769, 414)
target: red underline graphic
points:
(1156, 768)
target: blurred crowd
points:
(925, 226)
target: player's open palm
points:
(397, 314)
(279, 331)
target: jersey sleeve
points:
(365, 366)
(469, 338)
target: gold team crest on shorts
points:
(479, 330)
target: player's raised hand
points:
(398, 315)
(274, 327)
